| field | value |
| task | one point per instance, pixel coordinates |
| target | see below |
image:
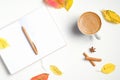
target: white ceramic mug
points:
(89, 23)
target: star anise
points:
(92, 49)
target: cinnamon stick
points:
(93, 59)
(89, 60)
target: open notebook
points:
(43, 32)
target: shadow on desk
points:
(74, 31)
(4, 66)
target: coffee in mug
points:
(89, 23)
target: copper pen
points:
(30, 41)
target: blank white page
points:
(43, 32)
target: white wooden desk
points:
(70, 59)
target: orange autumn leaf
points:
(55, 3)
(43, 76)
(61, 1)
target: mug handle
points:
(97, 36)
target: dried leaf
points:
(60, 3)
(43, 76)
(3, 43)
(55, 70)
(108, 68)
(68, 4)
(55, 3)
(111, 16)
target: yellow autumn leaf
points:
(3, 43)
(55, 70)
(108, 68)
(68, 4)
(111, 16)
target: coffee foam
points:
(89, 23)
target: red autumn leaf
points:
(55, 3)
(43, 76)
